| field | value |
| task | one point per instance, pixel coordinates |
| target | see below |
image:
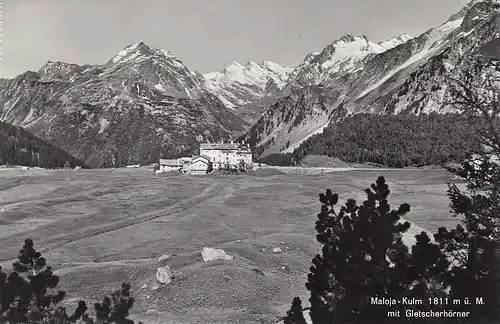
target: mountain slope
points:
(411, 77)
(142, 104)
(19, 147)
(252, 87)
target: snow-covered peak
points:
(124, 52)
(250, 64)
(395, 41)
(140, 51)
(250, 73)
(234, 65)
(350, 38)
(349, 45)
(238, 83)
(276, 68)
(270, 64)
(140, 68)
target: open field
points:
(99, 228)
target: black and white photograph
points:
(249, 161)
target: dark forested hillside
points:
(390, 140)
(19, 147)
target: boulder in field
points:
(210, 254)
(277, 250)
(164, 275)
(163, 257)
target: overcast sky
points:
(205, 34)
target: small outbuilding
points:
(184, 161)
(200, 165)
(167, 165)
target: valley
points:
(92, 162)
(98, 228)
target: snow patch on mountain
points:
(103, 123)
(465, 34)
(123, 53)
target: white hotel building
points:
(226, 153)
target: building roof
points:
(224, 146)
(201, 157)
(169, 162)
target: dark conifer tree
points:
(26, 293)
(27, 296)
(475, 244)
(295, 314)
(115, 308)
(363, 256)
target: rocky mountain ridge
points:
(144, 102)
(346, 55)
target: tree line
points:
(19, 147)
(390, 140)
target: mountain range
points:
(144, 103)
(411, 77)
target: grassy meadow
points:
(99, 228)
